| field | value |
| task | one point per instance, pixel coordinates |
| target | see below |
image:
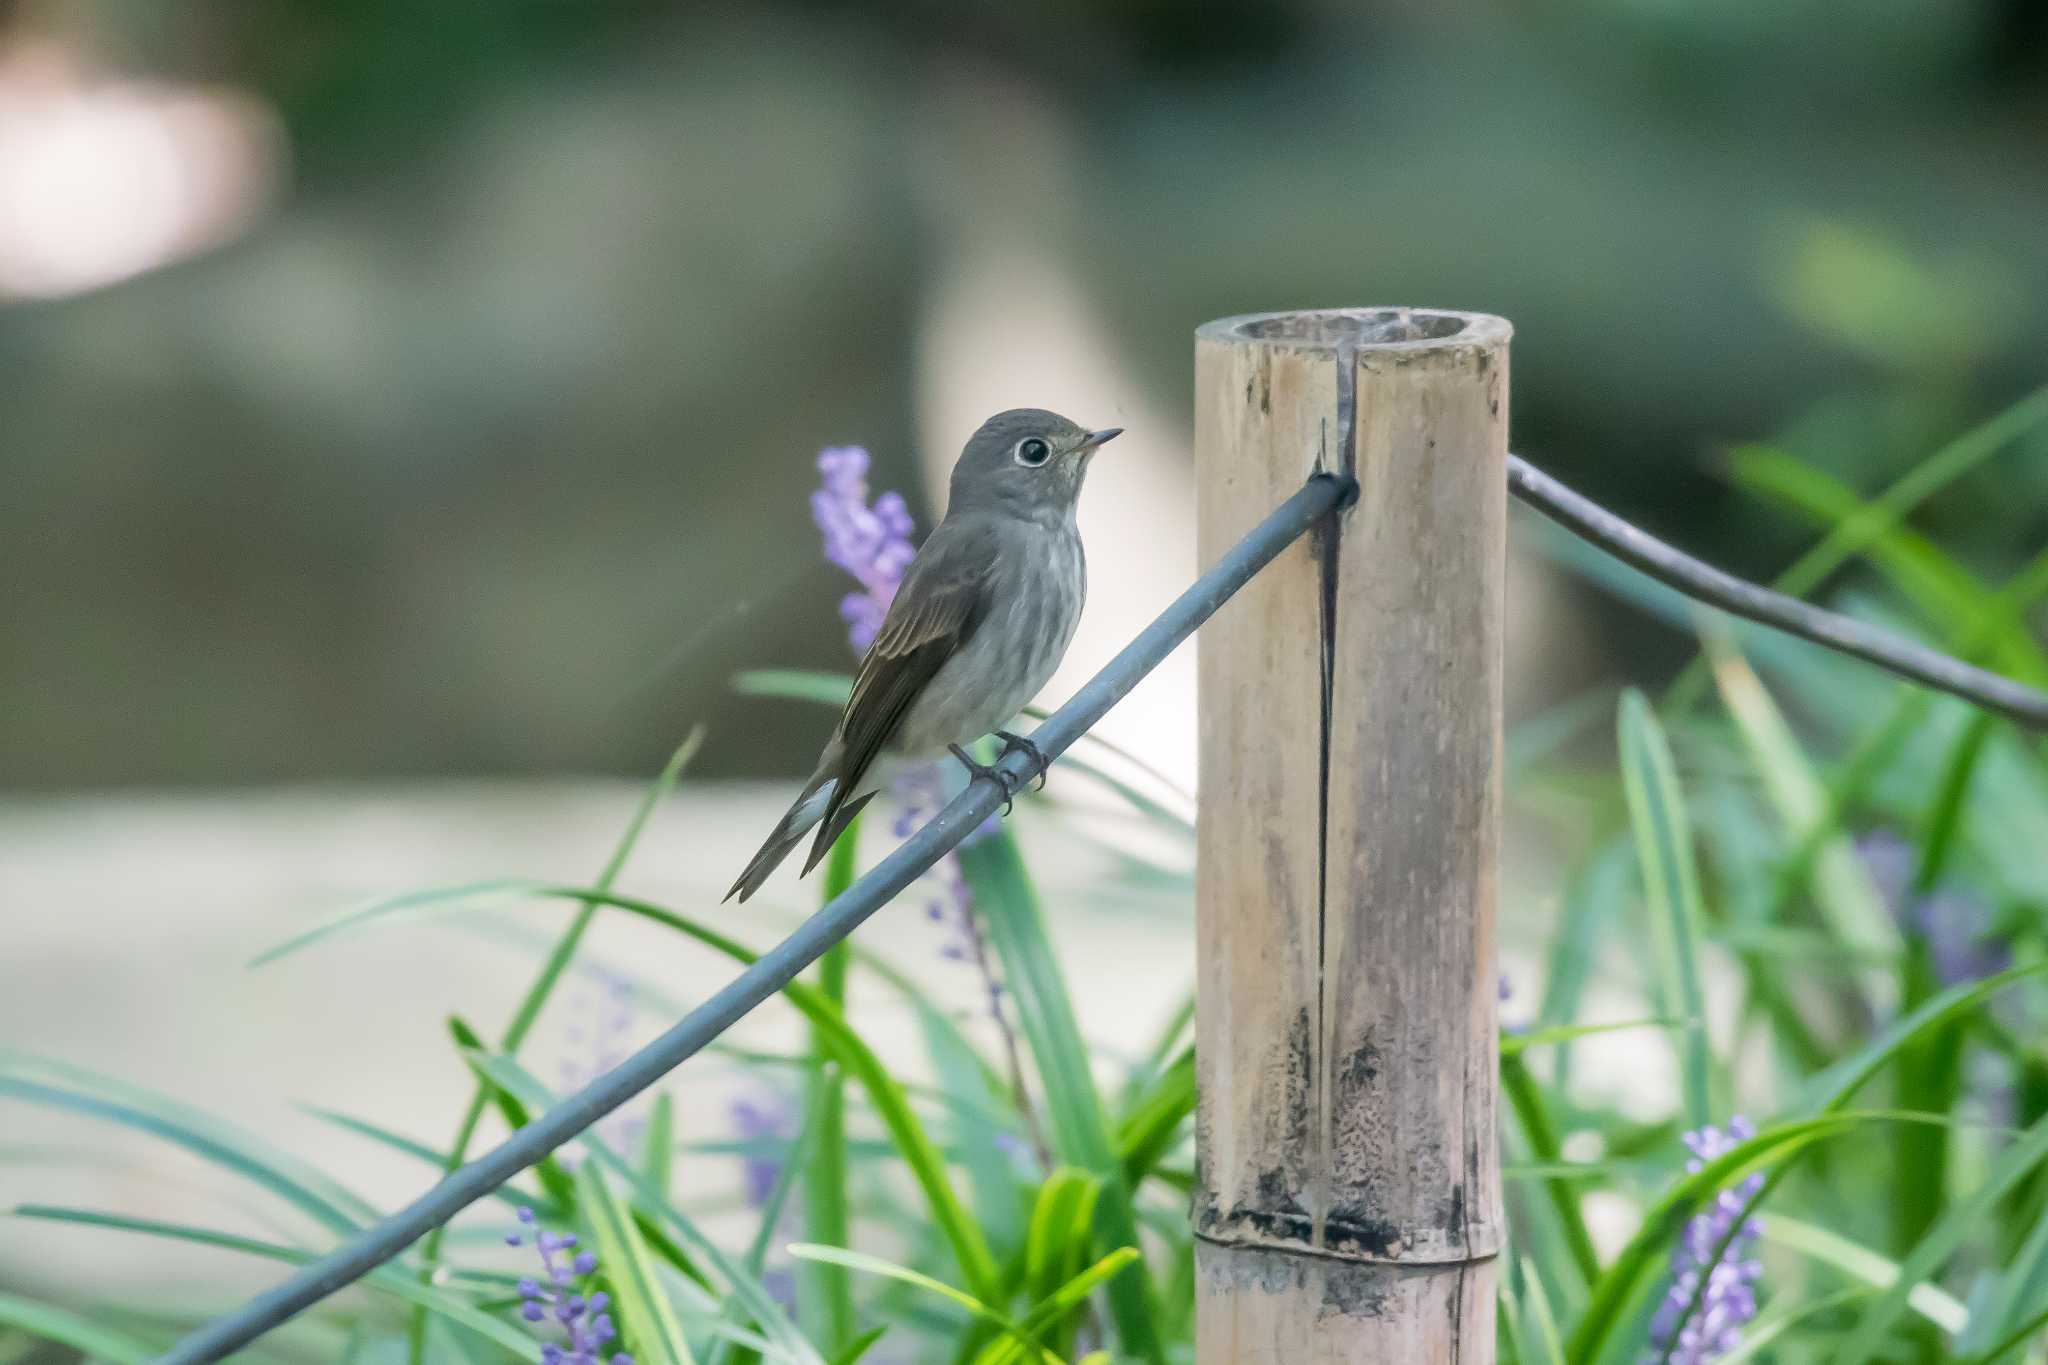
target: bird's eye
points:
(1033, 452)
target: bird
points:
(981, 620)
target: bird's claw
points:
(1016, 743)
(974, 770)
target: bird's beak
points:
(1103, 437)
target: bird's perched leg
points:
(974, 770)
(1014, 743)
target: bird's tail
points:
(801, 818)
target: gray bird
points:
(982, 618)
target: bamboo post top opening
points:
(1388, 329)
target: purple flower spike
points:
(584, 1324)
(1729, 1300)
(871, 543)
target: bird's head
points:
(1025, 462)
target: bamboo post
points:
(1347, 1197)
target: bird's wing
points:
(942, 600)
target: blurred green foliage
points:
(482, 451)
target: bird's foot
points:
(974, 770)
(1016, 744)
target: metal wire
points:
(776, 968)
(1674, 568)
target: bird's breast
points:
(1037, 586)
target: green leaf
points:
(537, 994)
(1532, 1115)
(875, 1265)
(1046, 1313)
(1058, 1240)
(794, 1160)
(386, 1279)
(858, 1347)
(1515, 1044)
(2012, 1341)
(1842, 889)
(1625, 1284)
(1005, 899)
(1957, 1222)
(1672, 885)
(825, 1294)
(1156, 1122)
(741, 1285)
(60, 1085)
(1540, 1313)
(885, 1092)
(658, 1145)
(1859, 1262)
(555, 1180)
(1768, 1328)
(795, 684)
(510, 1195)
(70, 1329)
(647, 1321)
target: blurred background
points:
(407, 410)
(398, 390)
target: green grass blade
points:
(1842, 889)
(71, 1329)
(1859, 1262)
(1760, 1334)
(1625, 1285)
(59, 1085)
(875, 1265)
(794, 1159)
(656, 1158)
(1957, 1223)
(1157, 1122)
(537, 994)
(1008, 905)
(387, 1279)
(858, 1347)
(1855, 534)
(1540, 1314)
(647, 1321)
(1939, 586)
(2024, 1284)
(825, 1292)
(553, 1178)
(2012, 1341)
(887, 1094)
(1672, 885)
(740, 1285)
(1834, 1087)
(512, 1196)
(1515, 1044)
(1532, 1116)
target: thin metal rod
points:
(1674, 568)
(778, 967)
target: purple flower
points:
(1729, 1299)
(870, 543)
(1955, 924)
(585, 1324)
